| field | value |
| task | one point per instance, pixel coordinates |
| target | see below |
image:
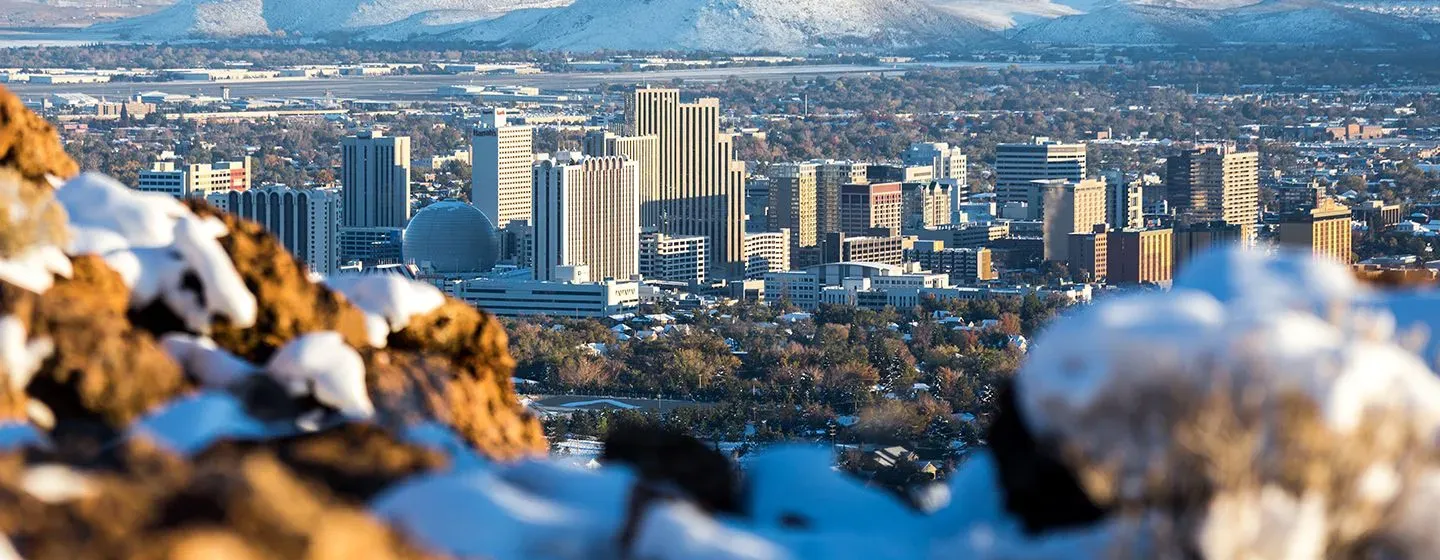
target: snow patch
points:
(320, 363)
(393, 299)
(36, 268)
(192, 423)
(21, 358)
(201, 358)
(55, 484)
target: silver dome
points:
(451, 237)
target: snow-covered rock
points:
(389, 301)
(200, 357)
(20, 357)
(190, 424)
(322, 365)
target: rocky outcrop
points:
(282, 476)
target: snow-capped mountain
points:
(798, 26)
(1316, 22)
(719, 25)
(238, 18)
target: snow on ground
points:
(320, 363)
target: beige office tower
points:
(1069, 207)
(375, 177)
(502, 160)
(830, 176)
(587, 216)
(645, 152)
(792, 203)
(701, 189)
(1214, 182)
(1018, 166)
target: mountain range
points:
(800, 26)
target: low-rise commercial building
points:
(523, 298)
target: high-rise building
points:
(197, 180)
(1191, 239)
(1124, 201)
(1139, 256)
(1068, 207)
(864, 207)
(792, 202)
(587, 215)
(947, 161)
(766, 252)
(925, 205)
(503, 158)
(1324, 231)
(701, 190)
(830, 176)
(645, 152)
(1018, 166)
(307, 221)
(1089, 253)
(672, 258)
(1214, 182)
(1299, 196)
(838, 247)
(966, 265)
(375, 174)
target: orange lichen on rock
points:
(103, 369)
(30, 145)
(290, 304)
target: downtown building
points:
(307, 221)
(867, 207)
(766, 252)
(945, 161)
(701, 188)
(1214, 182)
(830, 177)
(1324, 231)
(586, 219)
(926, 205)
(965, 265)
(198, 180)
(672, 258)
(1018, 166)
(503, 160)
(375, 175)
(1067, 207)
(645, 152)
(792, 203)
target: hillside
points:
(723, 25)
(237, 18)
(1298, 22)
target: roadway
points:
(414, 87)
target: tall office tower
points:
(701, 190)
(1214, 182)
(1068, 207)
(867, 207)
(1139, 256)
(927, 205)
(1017, 166)
(307, 221)
(375, 173)
(645, 152)
(587, 215)
(829, 177)
(792, 203)
(1124, 202)
(503, 159)
(1193, 238)
(672, 258)
(947, 161)
(1325, 231)
(198, 180)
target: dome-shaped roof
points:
(451, 237)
